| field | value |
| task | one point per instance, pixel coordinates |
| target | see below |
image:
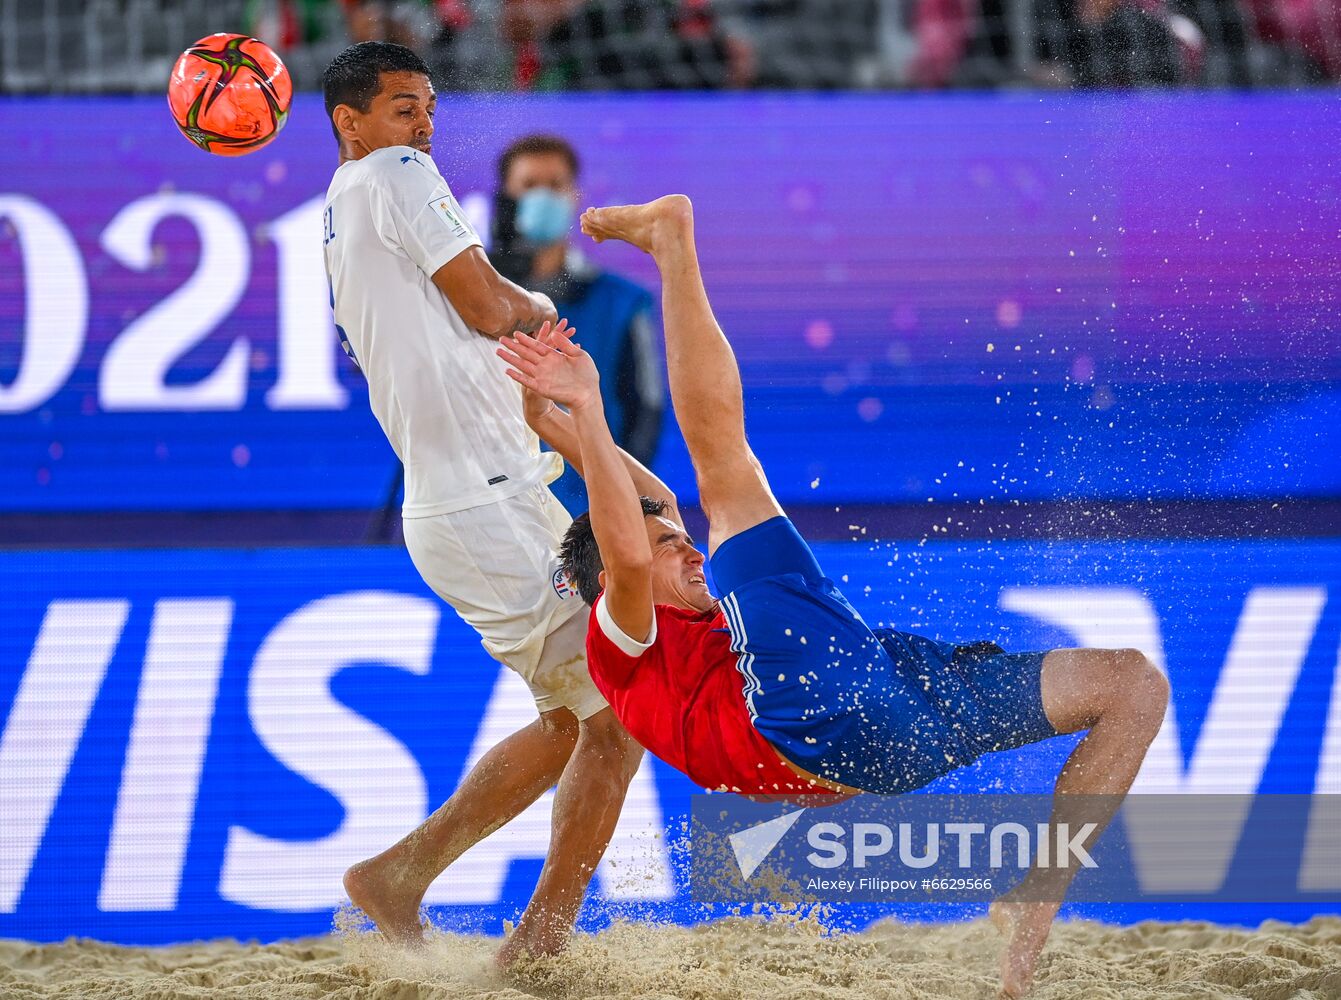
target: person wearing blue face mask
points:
(534, 215)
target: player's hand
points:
(536, 407)
(551, 334)
(552, 366)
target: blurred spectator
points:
(931, 44)
(1085, 43)
(306, 33)
(1311, 26)
(807, 44)
(935, 36)
(1228, 46)
(1131, 43)
(412, 23)
(459, 39)
(535, 209)
(285, 25)
(507, 45)
(940, 29)
(625, 44)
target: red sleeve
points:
(610, 666)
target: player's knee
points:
(603, 740)
(560, 724)
(1141, 688)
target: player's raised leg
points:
(704, 377)
(1120, 697)
(390, 887)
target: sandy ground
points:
(732, 958)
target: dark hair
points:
(354, 77)
(537, 145)
(581, 557)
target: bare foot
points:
(393, 907)
(650, 227)
(534, 937)
(1025, 927)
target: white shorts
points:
(498, 567)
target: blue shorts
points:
(879, 710)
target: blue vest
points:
(602, 310)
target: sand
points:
(730, 958)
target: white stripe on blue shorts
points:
(744, 658)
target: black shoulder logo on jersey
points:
(498, 479)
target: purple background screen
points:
(1010, 296)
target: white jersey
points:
(440, 393)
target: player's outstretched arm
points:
(563, 372)
(489, 302)
(557, 430)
